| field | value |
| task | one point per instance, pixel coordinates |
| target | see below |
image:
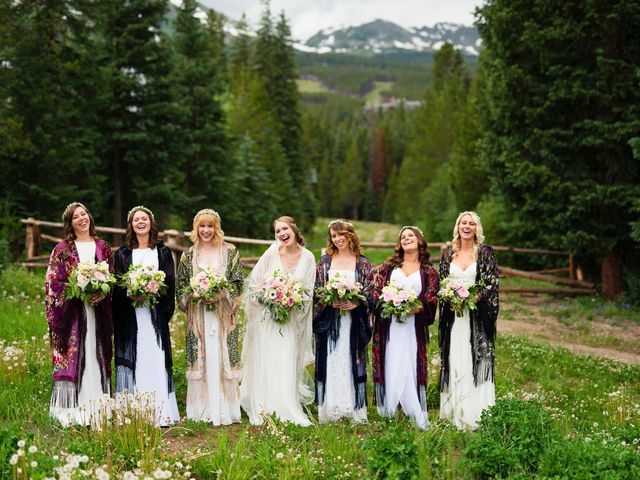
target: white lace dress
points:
(401, 362)
(88, 410)
(463, 402)
(339, 394)
(216, 407)
(151, 375)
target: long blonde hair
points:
(478, 238)
(207, 216)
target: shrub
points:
(590, 459)
(394, 453)
(511, 438)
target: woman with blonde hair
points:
(274, 356)
(341, 330)
(212, 330)
(467, 343)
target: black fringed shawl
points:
(326, 328)
(125, 324)
(483, 320)
(378, 278)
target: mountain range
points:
(382, 36)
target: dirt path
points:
(543, 319)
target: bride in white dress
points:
(467, 342)
(274, 357)
(213, 362)
(341, 339)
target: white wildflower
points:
(33, 449)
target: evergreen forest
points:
(117, 104)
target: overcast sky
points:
(308, 16)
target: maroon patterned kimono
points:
(67, 321)
(378, 279)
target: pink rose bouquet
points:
(88, 279)
(340, 289)
(459, 294)
(206, 284)
(145, 283)
(280, 293)
(399, 301)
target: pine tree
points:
(200, 121)
(137, 108)
(558, 121)
(48, 128)
(433, 133)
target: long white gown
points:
(151, 375)
(463, 402)
(216, 407)
(339, 394)
(401, 362)
(88, 410)
(274, 357)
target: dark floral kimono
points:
(67, 321)
(326, 328)
(195, 331)
(483, 320)
(125, 324)
(379, 278)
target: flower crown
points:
(137, 208)
(412, 227)
(338, 221)
(72, 206)
(207, 211)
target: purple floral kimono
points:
(67, 321)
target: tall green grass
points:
(592, 406)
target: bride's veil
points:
(255, 312)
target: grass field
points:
(375, 95)
(558, 415)
(311, 86)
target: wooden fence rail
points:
(175, 241)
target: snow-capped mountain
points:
(382, 36)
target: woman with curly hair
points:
(400, 348)
(341, 330)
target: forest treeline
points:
(102, 103)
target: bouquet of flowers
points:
(399, 301)
(280, 294)
(340, 289)
(205, 285)
(459, 294)
(145, 283)
(89, 278)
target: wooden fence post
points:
(173, 238)
(29, 240)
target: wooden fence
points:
(571, 283)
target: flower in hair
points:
(339, 221)
(138, 208)
(72, 206)
(412, 227)
(207, 211)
